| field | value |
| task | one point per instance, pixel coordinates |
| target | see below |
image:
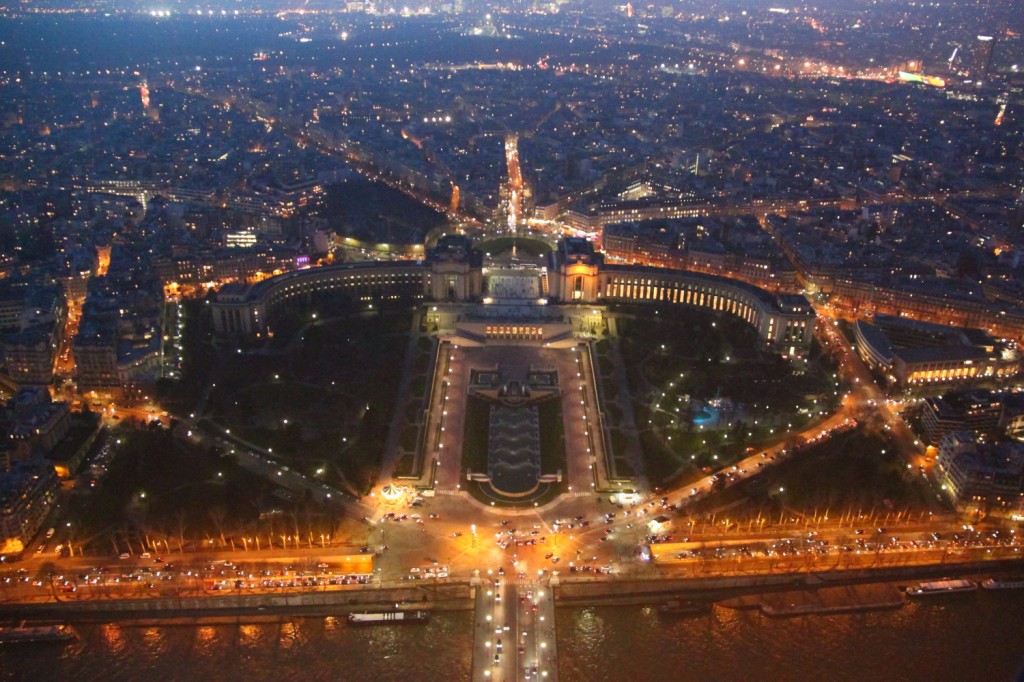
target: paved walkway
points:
(393, 451)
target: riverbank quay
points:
(569, 591)
(640, 590)
(448, 597)
(822, 601)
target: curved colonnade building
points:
(453, 272)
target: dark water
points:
(302, 649)
(961, 639)
(957, 638)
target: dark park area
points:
(857, 471)
(373, 212)
(704, 388)
(324, 402)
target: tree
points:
(217, 515)
(180, 517)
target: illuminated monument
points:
(576, 274)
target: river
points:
(957, 638)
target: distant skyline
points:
(684, 6)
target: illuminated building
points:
(36, 316)
(573, 271)
(240, 239)
(29, 356)
(982, 57)
(222, 266)
(784, 322)
(39, 423)
(455, 270)
(870, 296)
(106, 359)
(28, 490)
(978, 412)
(247, 311)
(96, 357)
(974, 473)
(913, 354)
(665, 243)
(576, 274)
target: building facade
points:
(576, 275)
(973, 473)
(913, 355)
(29, 356)
(978, 412)
(27, 493)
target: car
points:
(145, 555)
(124, 555)
(40, 548)
(457, 534)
